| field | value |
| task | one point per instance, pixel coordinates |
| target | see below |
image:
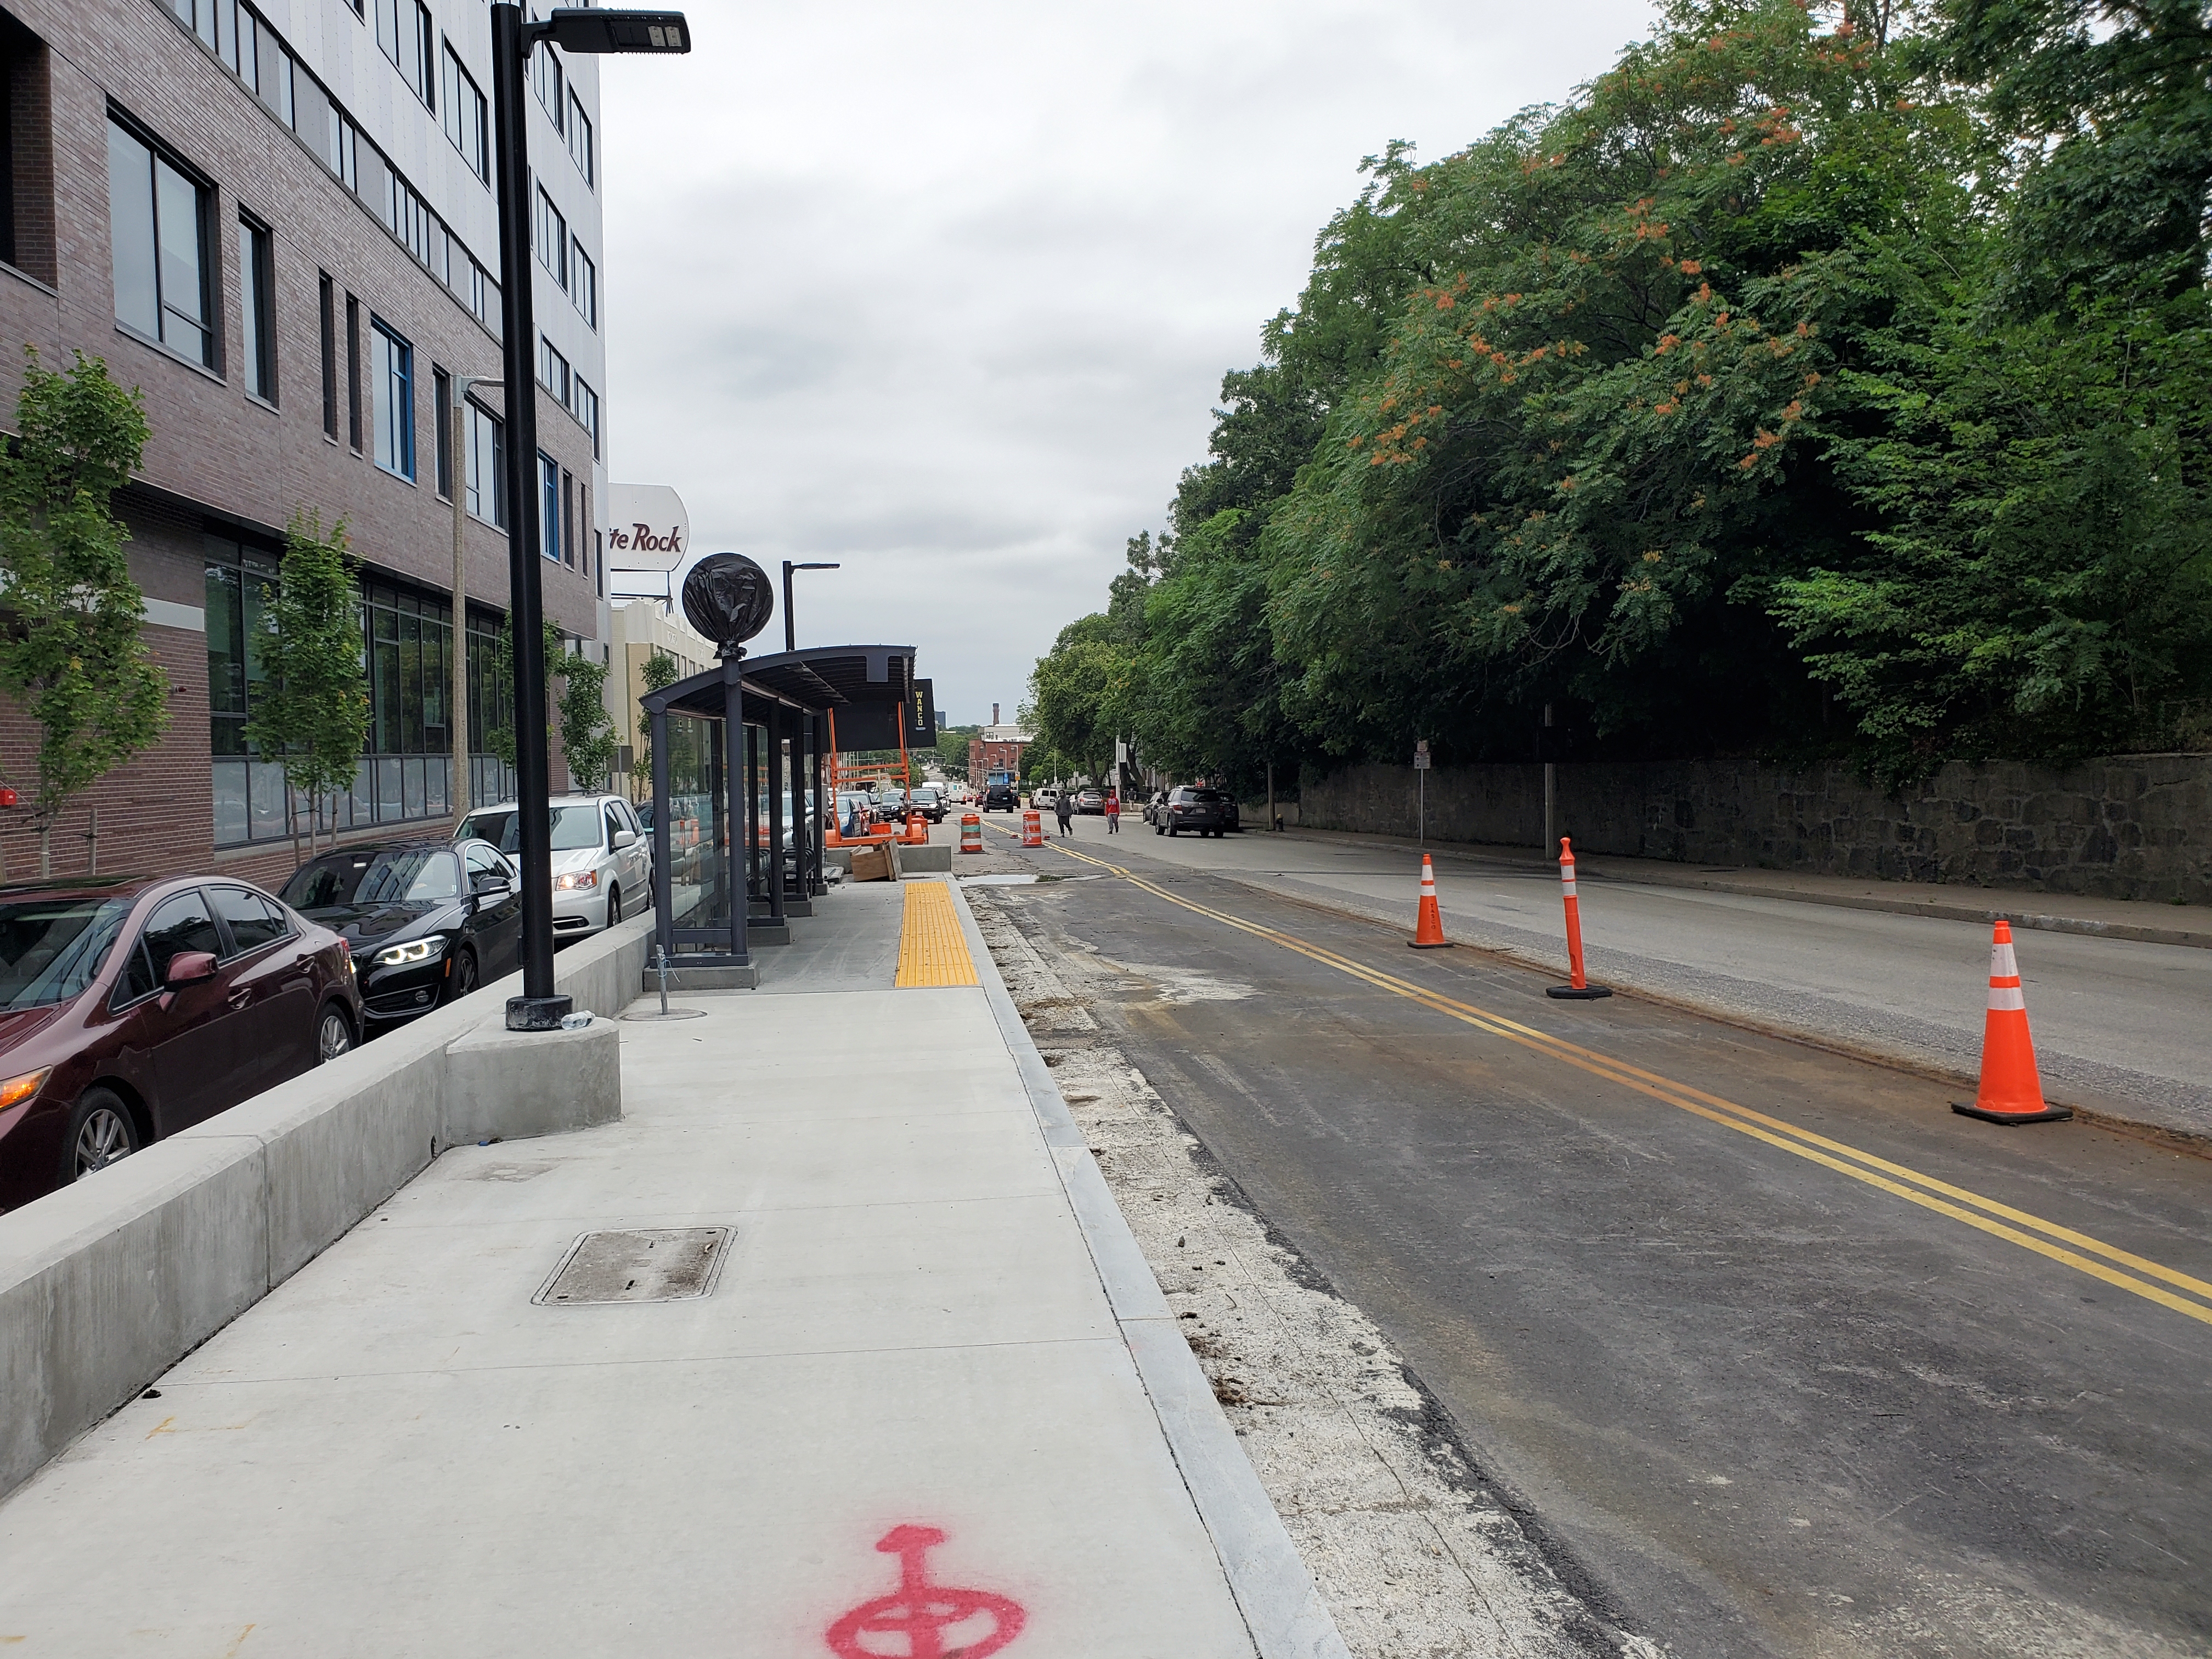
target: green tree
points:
(311, 714)
(71, 656)
(659, 670)
(588, 738)
(952, 748)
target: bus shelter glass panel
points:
(698, 849)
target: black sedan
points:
(1208, 811)
(427, 922)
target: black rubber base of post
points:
(538, 1014)
(1568, 992)
(2053, 1114)
(1434, 945)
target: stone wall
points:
(2134, 826)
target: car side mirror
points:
(491, 887)
(189, 968)
(625, 838)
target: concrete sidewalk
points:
(923, 1348)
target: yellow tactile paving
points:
(932, 951)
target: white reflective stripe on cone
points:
(2007, 998)
(1568, 887)
(2002, 963)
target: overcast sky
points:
(946, 291)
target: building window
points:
(407, 639)
(580, 139)
(552, 237)
(441, 417)
(26, 183)
(548, 507)
(257, 282)
(567, 519)
(586, 410)
(404, 31)
(486, 480)
(546, 81)
(392, 385)
(158, 222)
(353, 374)
(584, 283)
(466, 123)
(329, 305)
(553, 371)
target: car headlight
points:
(17, 1089)
(576, 878)
(416, 950)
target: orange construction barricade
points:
(971, 833)
(1032, 828)
(2011, 1092)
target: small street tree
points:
(588, 738)
(311, 714)
(71, 656)
(659, 670)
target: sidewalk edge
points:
(1283, 1611)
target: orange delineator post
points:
(2011, 1090)
(1032, 828)
(971, 832)
(1429, 930)
(1578, 988)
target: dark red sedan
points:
(133, 1008)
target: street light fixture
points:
(790, 627)
(579, 29)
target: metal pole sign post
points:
(1421, 792)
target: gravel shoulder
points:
(1417, 1553)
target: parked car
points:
(427, 922)
(1208, 811)
(1002, 798)
(132, 1007)
(1045, 797)
(602, 865)
(1091, 800)
(1155, 805)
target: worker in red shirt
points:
(1113, 812)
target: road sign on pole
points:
(1421, 792)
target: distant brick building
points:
(999, 750)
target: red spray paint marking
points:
(919, 1612)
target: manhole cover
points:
(667, 1264)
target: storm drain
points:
(664, 1264)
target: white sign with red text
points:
(647, 528)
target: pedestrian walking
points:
(1113, 812)
(1063, 808)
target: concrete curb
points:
(1283, 1611)
(1593, 866)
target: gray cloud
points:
(947, 291)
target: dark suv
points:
(1002, 798)
(1209, 811)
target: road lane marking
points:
(2059, 1243)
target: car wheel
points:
(614, 905)
(101, 1131)
(463, 980)
(333, 1034)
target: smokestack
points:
(994, 714)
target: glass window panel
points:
(391, 388)
(265, 801)
(411, 686)
(389, 790)
(363, 804)
(131, 222)
(226, 641)
(230, 791)
(183, 267)
(411, 785)
(549, 508)
(437, 771)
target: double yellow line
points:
(2152, 1281)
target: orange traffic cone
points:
(2011, 1092)
(1429, 932)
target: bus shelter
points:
(738, 789)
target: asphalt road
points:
(1783, 1356)
(2119, 1026)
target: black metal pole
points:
(539, 1008)
(790, 627)
(775, 740)
(737, 783)
(664, 872)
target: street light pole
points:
(539, 1008)
(459, 792)
(790, 626)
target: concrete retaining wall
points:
(2136, 826)
(106, 1284)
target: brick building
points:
(275, 219)
(998, 750)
